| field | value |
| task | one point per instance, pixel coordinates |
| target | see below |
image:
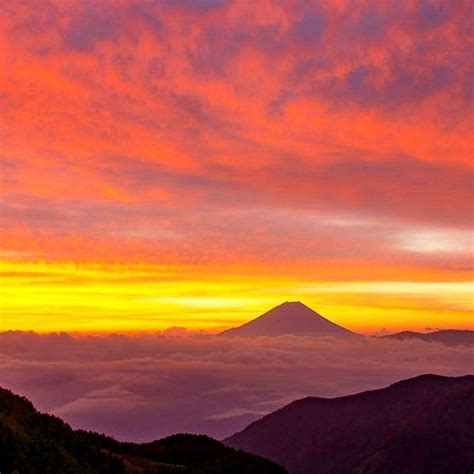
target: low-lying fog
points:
(147, 386)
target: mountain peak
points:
(289, 318)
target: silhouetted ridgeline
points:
(32, 442)
(421, 425)
(417, 426)
(450, 337)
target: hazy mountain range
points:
(420, 425)
(296, 319)
(451, 337)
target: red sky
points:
(263, 149)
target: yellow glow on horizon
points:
(48, 297)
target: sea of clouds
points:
(147, 386)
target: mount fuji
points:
(290, 318)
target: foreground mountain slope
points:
(440, 441)
(32, 442)
(290, 318)
(450, 337)
(425, 424)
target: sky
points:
(194, 163)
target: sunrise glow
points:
(192, 164)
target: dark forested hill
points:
(32, 442)
(421, 425)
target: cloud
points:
(147, 386)
(309, 28)
(433, 14)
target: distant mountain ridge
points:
(421, 425)
(449, 337)
(290, 318)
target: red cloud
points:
(132, 121)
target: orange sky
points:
(194, 163)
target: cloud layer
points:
(147, 386)
(128, 122)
